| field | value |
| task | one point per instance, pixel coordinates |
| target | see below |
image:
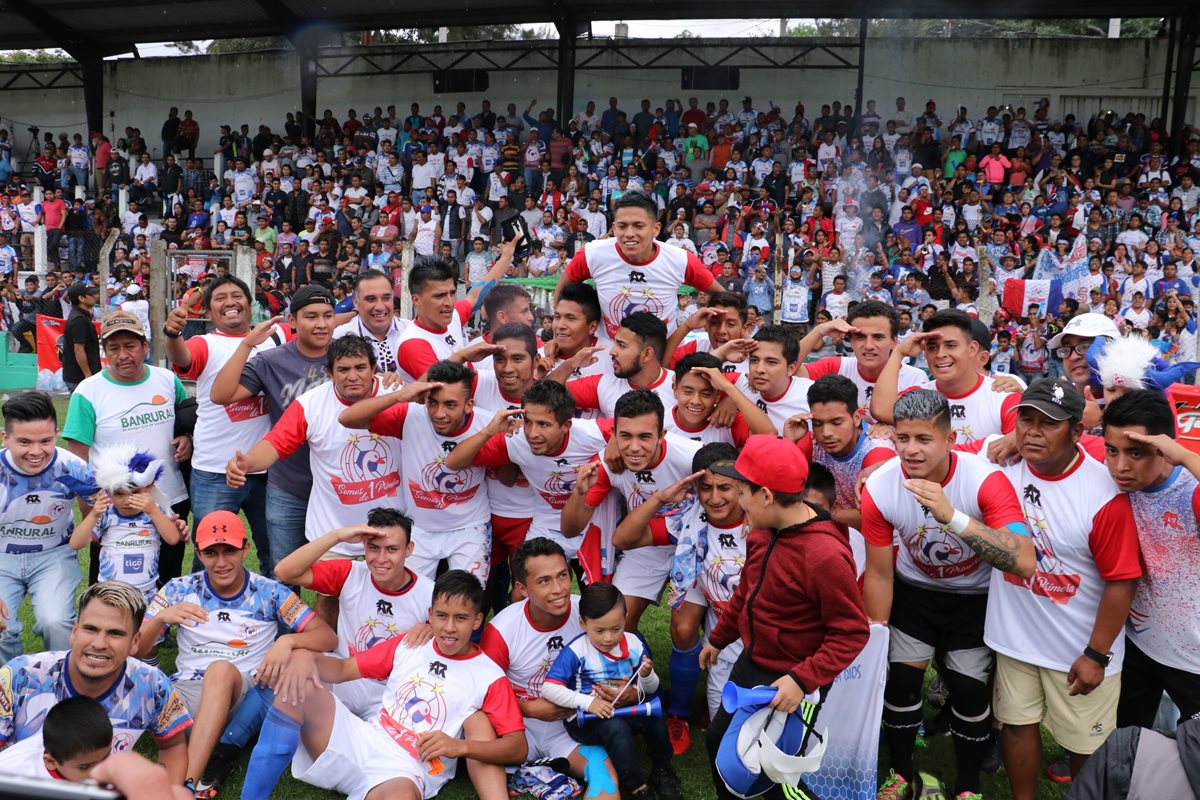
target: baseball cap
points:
(426, 210)
(310, 295)
(1087, 326)
(1058, 400)
(78, 290)
(769, 461)
(121, 322)
(981, 333)
(133, 289)
(220, 527)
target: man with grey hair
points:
(956, 516)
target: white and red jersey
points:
(525, 651)
(551, 477)
(352, 470)
(735, 434)
(601, 392)
(1084, 533)
(1163, 620)
(427, 691)
(673, 465)
(420, 347)
(385, 348)
(724, 557)
(626, 287)
(980, 412)
(222, 430)
(488, 394)
(704, 345)
(867, 452)
(512, 502)
(602, 366)
(439, 498)
(368, 615)
(847, 366)
(931, 555)
(779, 408)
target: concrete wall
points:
(1078, 75)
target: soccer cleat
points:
(666, 784)
(1060, 771)
(931, 787)
(968, 796)
(681, 736)
(894, 787)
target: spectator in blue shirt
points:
(760, 291)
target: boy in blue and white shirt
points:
(795, 297)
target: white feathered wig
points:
(125, 468)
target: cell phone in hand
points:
(13, 787)
(515, 228)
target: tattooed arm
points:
(1002, 548)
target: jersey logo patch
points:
(441, 486)
(1032, 495)
(370, 470)
(383, 607)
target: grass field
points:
(692, 767)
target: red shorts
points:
(507, 535)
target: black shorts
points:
(947, 621)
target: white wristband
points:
(959, 522)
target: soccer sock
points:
(902, 716)
(971, 727)
(277, 744)
(685, 674)
(248, 717)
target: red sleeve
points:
(290, 433)
(415, 357)
(494, 453)
(1008, 413)
(586, 392)
(577, 268)
(328, 577)
(877, 456)
(198, 347)
(998, 503)
(685, 349)
(390, 422)
(463, 308)
(876, 530)
(740, 431)
(493, 644)
(696, 275)
(975, 447)
(376, 661)
(823, 366)
(1114, 540)
(1093, 446)
(606, 427)
(597, 493)
(658, 532)
(500, 706)
(806, 445)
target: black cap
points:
(309, 295)
(981, 333)
(78, 290)
(1058, 400)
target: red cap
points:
(220, 527)
(769, 461)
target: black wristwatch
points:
(1102, 659)
(170, 335)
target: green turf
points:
(692, 767)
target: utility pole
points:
(782, 27)
(1114, 28)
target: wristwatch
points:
(1102, 659)
(170, 335)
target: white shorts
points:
(362, 697)
(547, 740)
(569, 546)
(189, 693)
(643, 572)
(718, 676)
(360, 756)
(464, 548)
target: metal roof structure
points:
(92, 30)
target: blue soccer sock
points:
(685, 674)
(277, 744)
(248, 717)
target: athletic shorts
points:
(570, 546)
(1026, 694)
(718, 676)
(362, 697)
(547, 740)
(925, 622)
(464, 548)
(507, 535)
(359, 757)
(189, 693)
(643, 572)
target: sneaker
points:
(1060, 771)
(931, 787)
(993, 758)
(968, 796)
(681, 737)
(894, 787)
(216, 771)
(666, 784)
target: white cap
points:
(1086, 326)
(133, 288)
(268, 152)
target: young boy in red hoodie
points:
(798, 595)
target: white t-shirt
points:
(793, 400)
(980, 412)
(420, 348)
(847, 366)
(523, 651)
(603, 391)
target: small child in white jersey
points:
(479, 261)
(605, 653)
(127, 519)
